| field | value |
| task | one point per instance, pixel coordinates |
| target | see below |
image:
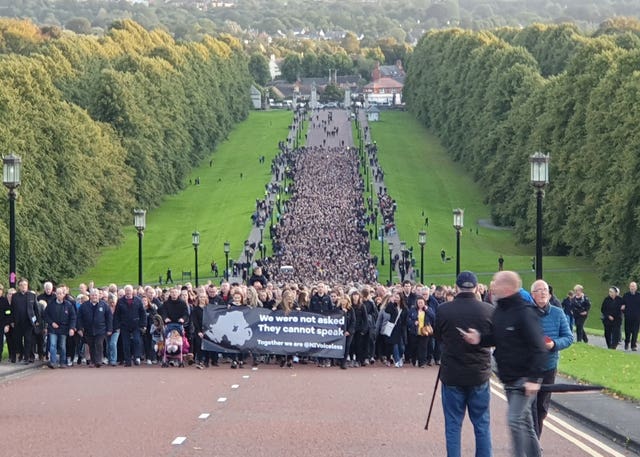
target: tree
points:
(291, 67)
(332, 93)
(350, 43)
(79, 25)
(259, 68)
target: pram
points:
(175, 345)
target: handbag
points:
(426, 330)
(388, 327)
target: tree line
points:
(104, 125)
(495, 98)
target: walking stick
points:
(433, 397)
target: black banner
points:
(262, 331)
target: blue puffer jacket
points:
(555, 326)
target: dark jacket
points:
(516, 333)
(24, 308)
(6, 315)
(129, 316)
(580, 305)
(175, 310)
(412, 317)
(631, 305)
(463, 364)
(95, 320)
(362, 322)
(612, 307)
(320, 304)
(349, 321)
(399, 333)
(197, 318)
(63, 314)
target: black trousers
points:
(23, 337)
(580, 333)
(631, 327)
(541, 407)
(612, 333)
(96, 346)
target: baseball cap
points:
(466, 280)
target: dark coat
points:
(129, 316)
(612, 307)
(412, 317)
(6, 315)
(516, 332)
(349, 321)
(631, 305)
(320, 304)
(95, 320)
(399, 333)
(63, 314)
(463, 364)
(580, 305)
(362, 322)
(175, 310)
(25, 308)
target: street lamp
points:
(382, 244)
(227, 248)
(261, 227)
(403, 252)
(195, 240)
(11, 170)
(422, 240)
(140, 223)
(458, 223)
(539, 179)
(390, 262)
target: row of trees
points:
(104, 125)
(490, 102)
(404, 20)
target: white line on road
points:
(246, 376)
(204, 416)
(222, 399)
(179, 440)
(235, 386)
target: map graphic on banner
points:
(263, 331)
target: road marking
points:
(179, 440)
(204, 416)
(222, 399)
(235, 386)
(570, 429)
(246, 376)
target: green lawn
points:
(420, 176)
(617, 370)
(219, 208)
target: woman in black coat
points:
(398, 337)
(349, 327)
(612, 317)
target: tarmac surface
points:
(270, 411)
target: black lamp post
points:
(539, 179)
(227, 248)
(458, 223)
(140, 223)
(382, 245)
(11, 171)
(390, 262)
(261, 227)
(195, 240)
(422, 240)
(403, 252)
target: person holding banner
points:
(349, 327)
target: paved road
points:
(304, 411)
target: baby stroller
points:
(175, 345)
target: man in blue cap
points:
(465, 369)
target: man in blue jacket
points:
(95, 323)
(60, 316)
(557, 336)
(131, 320)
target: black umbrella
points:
(562, 388)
